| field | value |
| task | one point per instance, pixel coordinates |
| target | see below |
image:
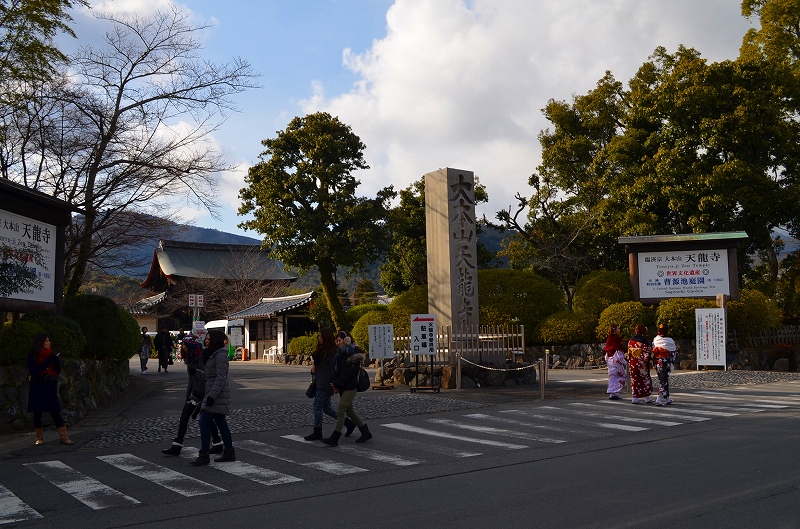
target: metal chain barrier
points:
(496, 368)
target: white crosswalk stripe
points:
(495, 431)
(87, 490)
(444, 435)
(264, 476)
(165, 477)
(659, 412)
(363, 451)
(324, 465)
(13, 509)
(607, 425)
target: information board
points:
(710, 337)
(381, 341)
(688, 273)
(423, 334)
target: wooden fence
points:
(477, 343)
(787, 334)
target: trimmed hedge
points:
(303, 345)
(355, 313)
(600, 289)
(412, 301)
(753, 312)
(361, 328)
(678, 313)
(566, 328)
(16, 340)
(65, 333)
(627, 315)
(108, 332)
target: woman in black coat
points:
(44, 367)
(323, 371)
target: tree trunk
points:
(332, 295)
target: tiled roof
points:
(272, 306)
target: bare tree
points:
(129, 128)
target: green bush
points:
(103, 325)
(599, 289)
(16, 340)
(303, 345)
(678, 313)
(65, 333)
(355, 313)
(753, 312)
(517, 297)
(130, 336)
(627, 315)
(412, 301)
(565, 328)
(361, 328)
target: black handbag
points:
(311, 392)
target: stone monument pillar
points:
(452, 246)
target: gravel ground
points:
(722, 379)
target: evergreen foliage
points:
(65, 333)
(678, 313)
(16, 340)
(566, 327)
(601, 288)
(753, 312)
(627, 315)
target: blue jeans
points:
(205, 430)
(322, 404)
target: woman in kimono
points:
(639, 354)
(664, 353)
(615, 360)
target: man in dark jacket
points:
(163, 343)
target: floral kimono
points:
(639, 355)
(615, 360)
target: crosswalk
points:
(106, 481)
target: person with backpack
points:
(346, 369)
(192, 355)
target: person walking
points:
(664, 353)
(145, 349)
(163, 343)
(615, 360)
(192, 355)
(217, 403)
(346, 367)
(44, 367)
(322, 371)
(639, 356)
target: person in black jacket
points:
(323, 371)
(192, 355)
(44, 367)
(163, 343)
(346, 367)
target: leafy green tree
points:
(302, 195)
(364, 292)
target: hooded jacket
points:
(346, 367)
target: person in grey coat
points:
(217, 402)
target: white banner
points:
(710, 337)
(381, 341)
(423, 334)
(683, 274)
(27, 237)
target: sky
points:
(427, 84)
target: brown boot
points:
(62, 434)
(39, 436)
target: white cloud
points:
(462, 84)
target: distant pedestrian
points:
(346, 368)
(664, 353)
(639, 357)
(163, 343)
(192, 355)
(217, 403)
(615, 360)
(44, 367)
(145, 349)
(322, 371)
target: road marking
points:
(324, 465)
(495, 431)
(244, 470)
(661, 411)
(13, 509)
(610, 426)
(445, 435)
(86, 490)
(369, 453)
(169, 479)
(526, 424)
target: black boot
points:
(174, 450)
(202, 459)
(333, 440)
(229, 454)
(365, 435)
(349, 426)
(216, 447)
(316, 436)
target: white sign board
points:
(381, 341)
(683, 274)
(237, 337)
(199, 330)
(710, 336)
(27, 238)
(192, 301)
(200, 301)
(423, 334)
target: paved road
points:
(722, 457)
